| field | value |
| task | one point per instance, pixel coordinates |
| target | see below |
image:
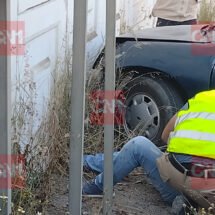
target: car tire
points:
(150, 101)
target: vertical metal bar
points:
(77, 106)
(5, 117)
(109, 94)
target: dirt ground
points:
(134, 196)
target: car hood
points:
(188, 33)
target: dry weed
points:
(206, 13)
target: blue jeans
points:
(139, 151)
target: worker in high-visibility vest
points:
(187, 167)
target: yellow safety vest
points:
(194, 132)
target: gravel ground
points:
(134, 196)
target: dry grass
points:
(209, 211)
(94, 133)
(207, 11)
(47, 150)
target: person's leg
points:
(139, 151)
(96, 162)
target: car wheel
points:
(149, 104)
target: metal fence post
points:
(5, 117)
(109, 93)
(77, 106)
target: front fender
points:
(192, 72)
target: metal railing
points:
(5, 117)
(109, 93)
(78, 106)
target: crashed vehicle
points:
(161, 68)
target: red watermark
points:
(203, 172)
(107, 106)
(12, 172)
(203, 36)
(12, 38)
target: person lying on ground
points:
(188, 165)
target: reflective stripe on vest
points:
(195, 135)
(194, 131)
(202, 115)
(197, 124)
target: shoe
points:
(179, 206)
(90, 189)
(183, 205)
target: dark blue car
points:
(159, 69)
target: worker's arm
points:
(168, 128)
(170, 125)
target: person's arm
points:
(170, 125)
(168, 128)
